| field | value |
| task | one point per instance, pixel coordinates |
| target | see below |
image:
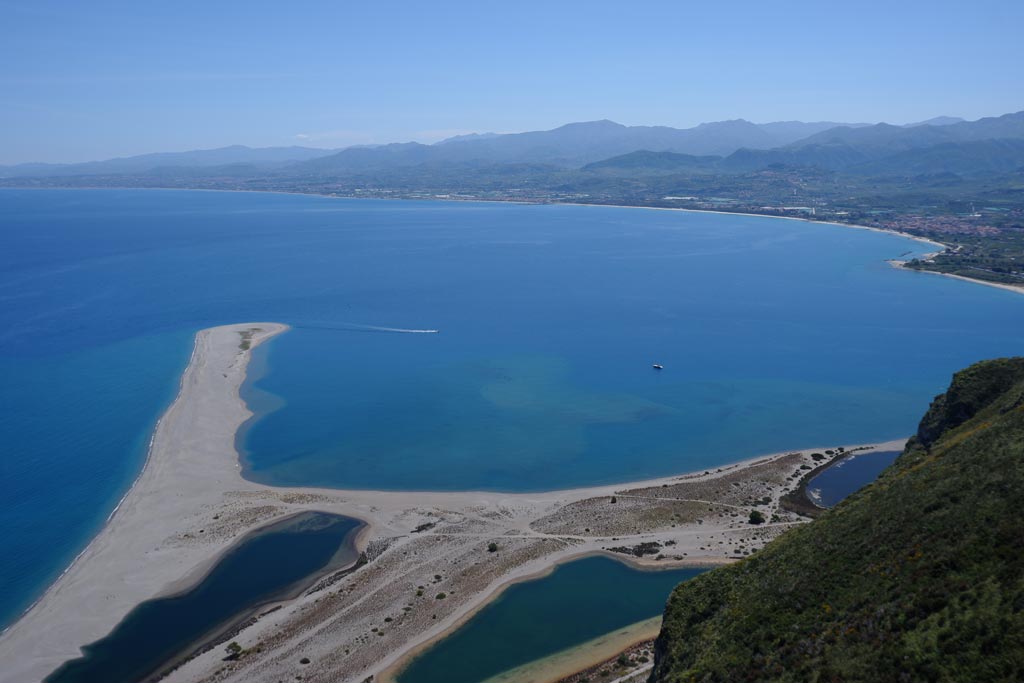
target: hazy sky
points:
(95, 79)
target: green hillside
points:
(918, 577)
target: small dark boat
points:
(657, 367)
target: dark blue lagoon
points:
(848, 475)
(289, 554)
(774, 334)
(577, 602)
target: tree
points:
(756, 517)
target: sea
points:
(449, 345)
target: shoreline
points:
(117, 507)
(572, 663)
(902, 265)
(197, 505)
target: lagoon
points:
(849, 475)
(577, 602)
(290, 554)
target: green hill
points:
(918, 577)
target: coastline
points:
(902, 265)
(190, 505)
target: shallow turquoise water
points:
(288, 554)
(576, 603)
(774, 334)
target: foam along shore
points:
(190, 505)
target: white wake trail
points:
(349, 327)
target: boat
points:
(657, 367)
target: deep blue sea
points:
(774, 334)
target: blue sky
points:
(87, 80)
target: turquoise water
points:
(774, 334)
(850, 475)
(576, 603)
(289, 554)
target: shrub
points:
(756, 517)
(492, 547)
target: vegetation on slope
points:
(918, 577)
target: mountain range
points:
(940, 145)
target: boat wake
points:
(355, 327)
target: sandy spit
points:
(190, 504)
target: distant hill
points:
(468, 137)
(896, 138)
(936, 121)
(786, 132)
(645, 162)
(222, 156)
(917, 577)
(961, 158)
(892, 149)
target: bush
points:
(441, 596)
(492, 547)
(756, 517)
